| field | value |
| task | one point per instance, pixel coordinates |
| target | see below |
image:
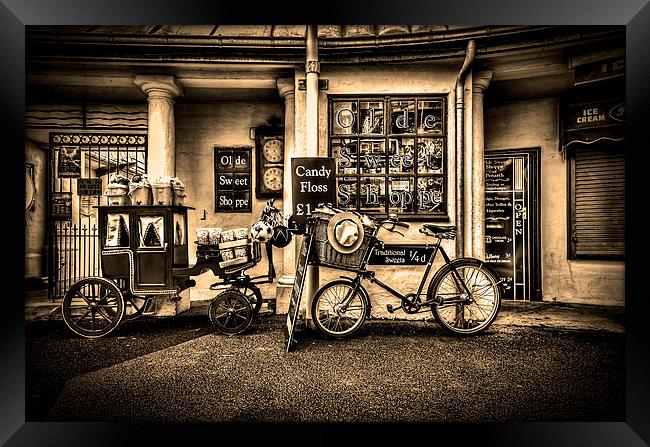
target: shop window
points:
(232, 179)
(597, 200)
(390, 154)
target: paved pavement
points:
(404, 371)
(538, 362)
(570, 316)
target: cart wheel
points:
(230, 312)
(93, 307)
(252, 292)
(134, 306)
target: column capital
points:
(158, 86)
(481, 81)
(286, 87)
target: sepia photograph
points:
(295, 224)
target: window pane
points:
(430, 152)
(373, 194)
(152, 231)
(401, 156)
(224, 160)
(430, 194)
(401, 196)
(345, 152)
(241, 160)
(430, 117)
(371, 116)
(402, 117)
(117, 230)
(373, 157)
(344, 117)
(179, 229)
(347, 194)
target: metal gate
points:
(80, 166)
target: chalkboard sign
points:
(314, 184)
(296, 292)
(506, 221)
(232, 179)
(401, 255)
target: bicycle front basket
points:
(327, 256)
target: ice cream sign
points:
(313, 184)
(598, 114)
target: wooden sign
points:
(89, 186)
(401, 255)
(296, 292)
(600, 71)
(314, 184)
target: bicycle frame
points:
(370, 275)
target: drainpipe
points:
(460, 147)
(312, 70)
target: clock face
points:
(272, 150)
(273, 179)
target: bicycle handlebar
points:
(393, 223)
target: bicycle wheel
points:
(230, 312)
(453, 308)
(329, 314)
(93, 307)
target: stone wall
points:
(199, 128)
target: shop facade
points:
(513, 134)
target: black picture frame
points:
(634, 14)
(261, 134)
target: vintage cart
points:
(144, 257)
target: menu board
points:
(505, 222)
(232, 179)
(296, 292)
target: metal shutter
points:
(598, 211)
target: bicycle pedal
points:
(391, 309)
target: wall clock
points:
(269, 162)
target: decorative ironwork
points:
(74, 248)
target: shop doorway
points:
(80, 165)
(512, 220)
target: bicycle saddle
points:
(441, 231)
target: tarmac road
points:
(177, 369)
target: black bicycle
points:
(464, 294)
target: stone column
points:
(161, 154)
(287, 89)
(312, 72)
(481, 81)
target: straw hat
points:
(345, 232)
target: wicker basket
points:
(327, 256)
